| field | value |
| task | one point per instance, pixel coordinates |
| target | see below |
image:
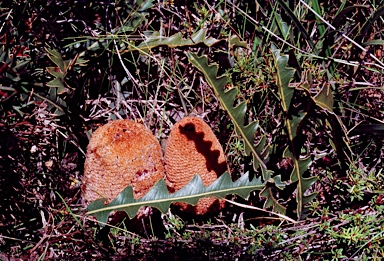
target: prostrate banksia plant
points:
(193, 148)
(119, 154)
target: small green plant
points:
(175, 222)
(174, 225)
(186, 235)
(359, 183)
(337, 254)
(135, 240)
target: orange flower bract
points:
(193, 148)
(119, 154)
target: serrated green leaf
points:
(309, 198)
(52, 71)
(57, 83)
(144, 5)
(236, 42)
(324, 99)
(277, 181)
(299, 168)
(160, 198)
(177, 40)
(301, 165)
(237, 114)
(293, 124)
(271, 201)
(283, 78)
(56, 58)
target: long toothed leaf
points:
(293, 125)
(160, 198)
(236, 113)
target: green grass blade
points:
(364, 30)
(298, 25)
(322, 32)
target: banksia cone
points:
(119, 154)
(193, 148)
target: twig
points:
(123, 65)
(260, 209)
